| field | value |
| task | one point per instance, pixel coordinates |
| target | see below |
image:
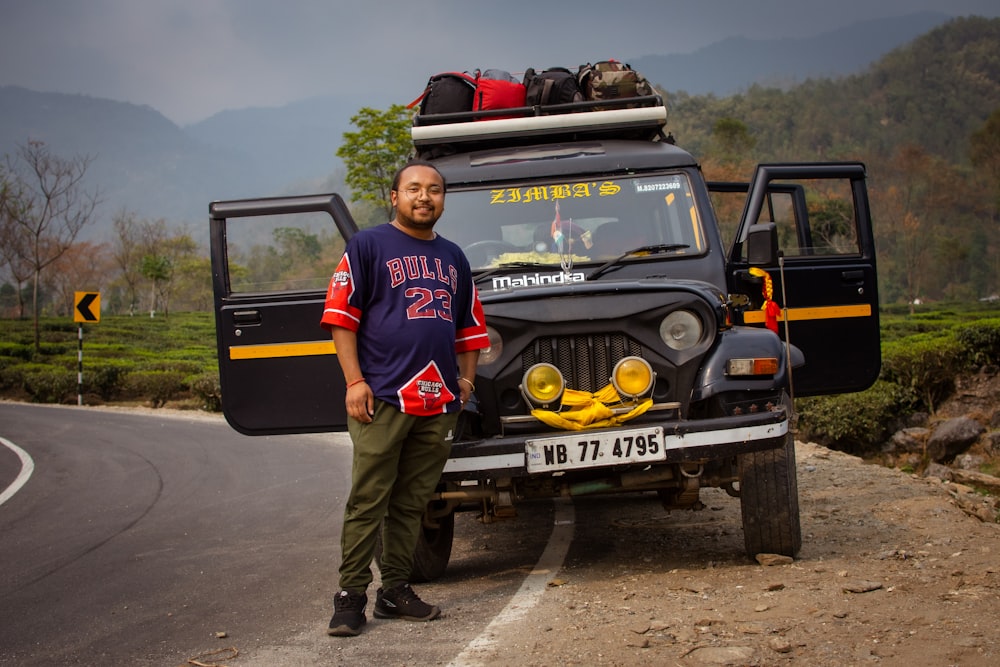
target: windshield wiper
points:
(646, 249)
(478, 278)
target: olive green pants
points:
(397, 464)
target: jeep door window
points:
(813, 217)
(587, 221)
(282, 253)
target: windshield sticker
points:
(657, 186)
(537, 193)
(537, 279)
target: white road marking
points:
(27, 467)
(478, 651)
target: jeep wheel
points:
(769, 500)
(432, 553)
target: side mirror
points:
(762, 244)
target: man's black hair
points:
(416, 163)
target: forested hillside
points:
(919, 119)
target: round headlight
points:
(632, 377)
(542, 385)
(492, 353)
(680, 330)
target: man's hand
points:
(360, 402)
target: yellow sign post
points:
(86, 306)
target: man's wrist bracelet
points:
(469, 382)
(354, 382)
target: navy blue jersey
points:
(414, 306)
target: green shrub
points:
(980, 343)
(924, 365)
(206, 388)
(157, 387)
(856, 423)
(50, 385)
(22, 351)
(51, 349)
(11, 378)
(106, 378)
(172, 366)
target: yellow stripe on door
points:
(814, 313)
(279, 350)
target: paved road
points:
(138, 537)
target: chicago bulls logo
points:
(426, 393)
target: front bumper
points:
(686, 441)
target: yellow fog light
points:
(542, 385)
(633, 377)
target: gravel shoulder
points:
(894, 569)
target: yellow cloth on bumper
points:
(589, 410)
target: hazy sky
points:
(192, 58)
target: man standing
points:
(408, 327)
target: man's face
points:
(419, 201)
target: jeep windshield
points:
(564, 223)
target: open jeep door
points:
(825, 281)
(272, 260)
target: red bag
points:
(497, 90)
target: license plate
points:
(580, 449)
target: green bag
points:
(612, 80)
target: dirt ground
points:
(894, 570)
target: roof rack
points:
(643, 118)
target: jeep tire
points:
(769, 500)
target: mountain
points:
(141, 161)
(297, 142)
(730, 66)
(146, 164)
(933, 92)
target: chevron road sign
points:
(87, 307)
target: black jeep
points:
(638, 343)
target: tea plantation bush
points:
(918, 372)
(154, 362)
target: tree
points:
(905, 238)
(158, 269)
(127, 254)
(984, 151)
(83, 267)
(732, 141)
(374, 153)
(163, 254)
(12, 250)
(46, 207)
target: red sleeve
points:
(338, 310)
(471, 334)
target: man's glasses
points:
(414, 191)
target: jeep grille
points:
(586, 362)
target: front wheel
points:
(433, 551)
(769, 501)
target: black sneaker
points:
(402, 602)
(348, 614)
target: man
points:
(408, 327)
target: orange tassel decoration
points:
(770, 308)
